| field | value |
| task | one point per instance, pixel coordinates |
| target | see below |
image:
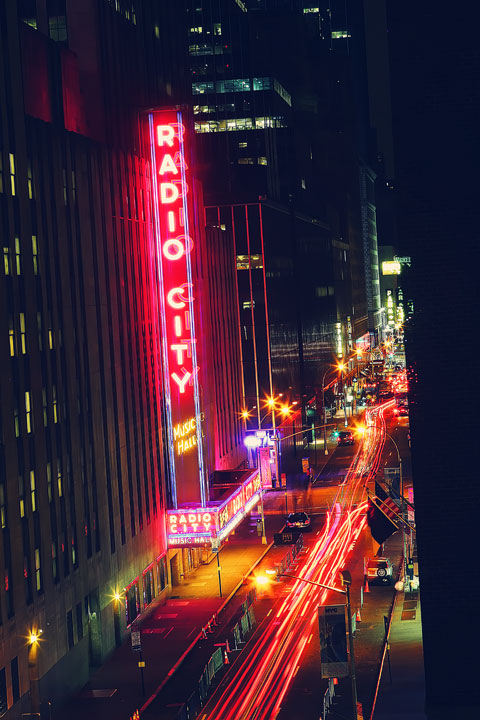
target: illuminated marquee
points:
(175, 247)
(197, 526)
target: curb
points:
(192, 645)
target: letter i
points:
(171, 221)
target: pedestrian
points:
(259, 527)
(312, 474)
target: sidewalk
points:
(404, 696)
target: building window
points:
(3, 507)
(49, 482)
(3, 692)
(54, 561)
(54, 404)
(70, 637)
(57, 28)
(31, 192)
(262, 160)
(79, 614)
(16, 421)
(39, 327)
(35, 254)
(38, 572)
(23, 339)
(242, 144)
(246, 161)
(11, 337)
(15, 680)
(6, 260)
(1, 173)
(21, 496)
(33, 491)
(18, 264)
(59, 478)
(162, 573)
(11, 157)
(28, 413)
(132, 602)
(217, 28)
(157, 31)
(148, 586)
(44, 407)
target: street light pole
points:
(347, 581)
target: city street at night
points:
(238, 300)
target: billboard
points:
(174, 236)
(391, 267)
(333, 641)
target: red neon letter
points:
(181, 382)
(179, 292)
(168, 165)
(179, 348)
(165, 134)
(168, 193)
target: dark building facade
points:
(436, 111)
(81, 452)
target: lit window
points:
(50, 339)
(23, 338)
(307, 11)
(157, 31)
(247, 305)
(6, 260)
(28, 412)
(33, 491)
(30, 183)
(304, 184)
(217, 28)
(196, 30)
(59, 478)
(65, 188)
(242, 144)
(246, 161)
(3, 507)
(340, 34)
(35, 254)
(38, 577)
(18, 264)
(74, 186)
(54, 395)
(57, 28)
(21, 496)
(11, 337)
(262, 160)
(12, 173)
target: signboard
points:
(391, 267)
(196, 526)
(305, 465)
(136, 640)
(333, 641)
(265, 466)
(175, 246)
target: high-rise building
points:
(435, 110)
(85, 430)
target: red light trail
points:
(255, 687)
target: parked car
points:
(298, 521)
(380, 570)
(345, 437)
(401, 411)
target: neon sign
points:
(198, 525)
(175, 248)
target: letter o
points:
(173, 249)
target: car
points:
(298, 521)
(380, 570)
(345, 437)
(401, 411)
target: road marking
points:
(168, 633)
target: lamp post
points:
(340, 367)
(346, 580)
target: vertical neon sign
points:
(173, 217)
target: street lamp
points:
(346, 580)
(339, 367)
(362, 429)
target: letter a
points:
(168, 165)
